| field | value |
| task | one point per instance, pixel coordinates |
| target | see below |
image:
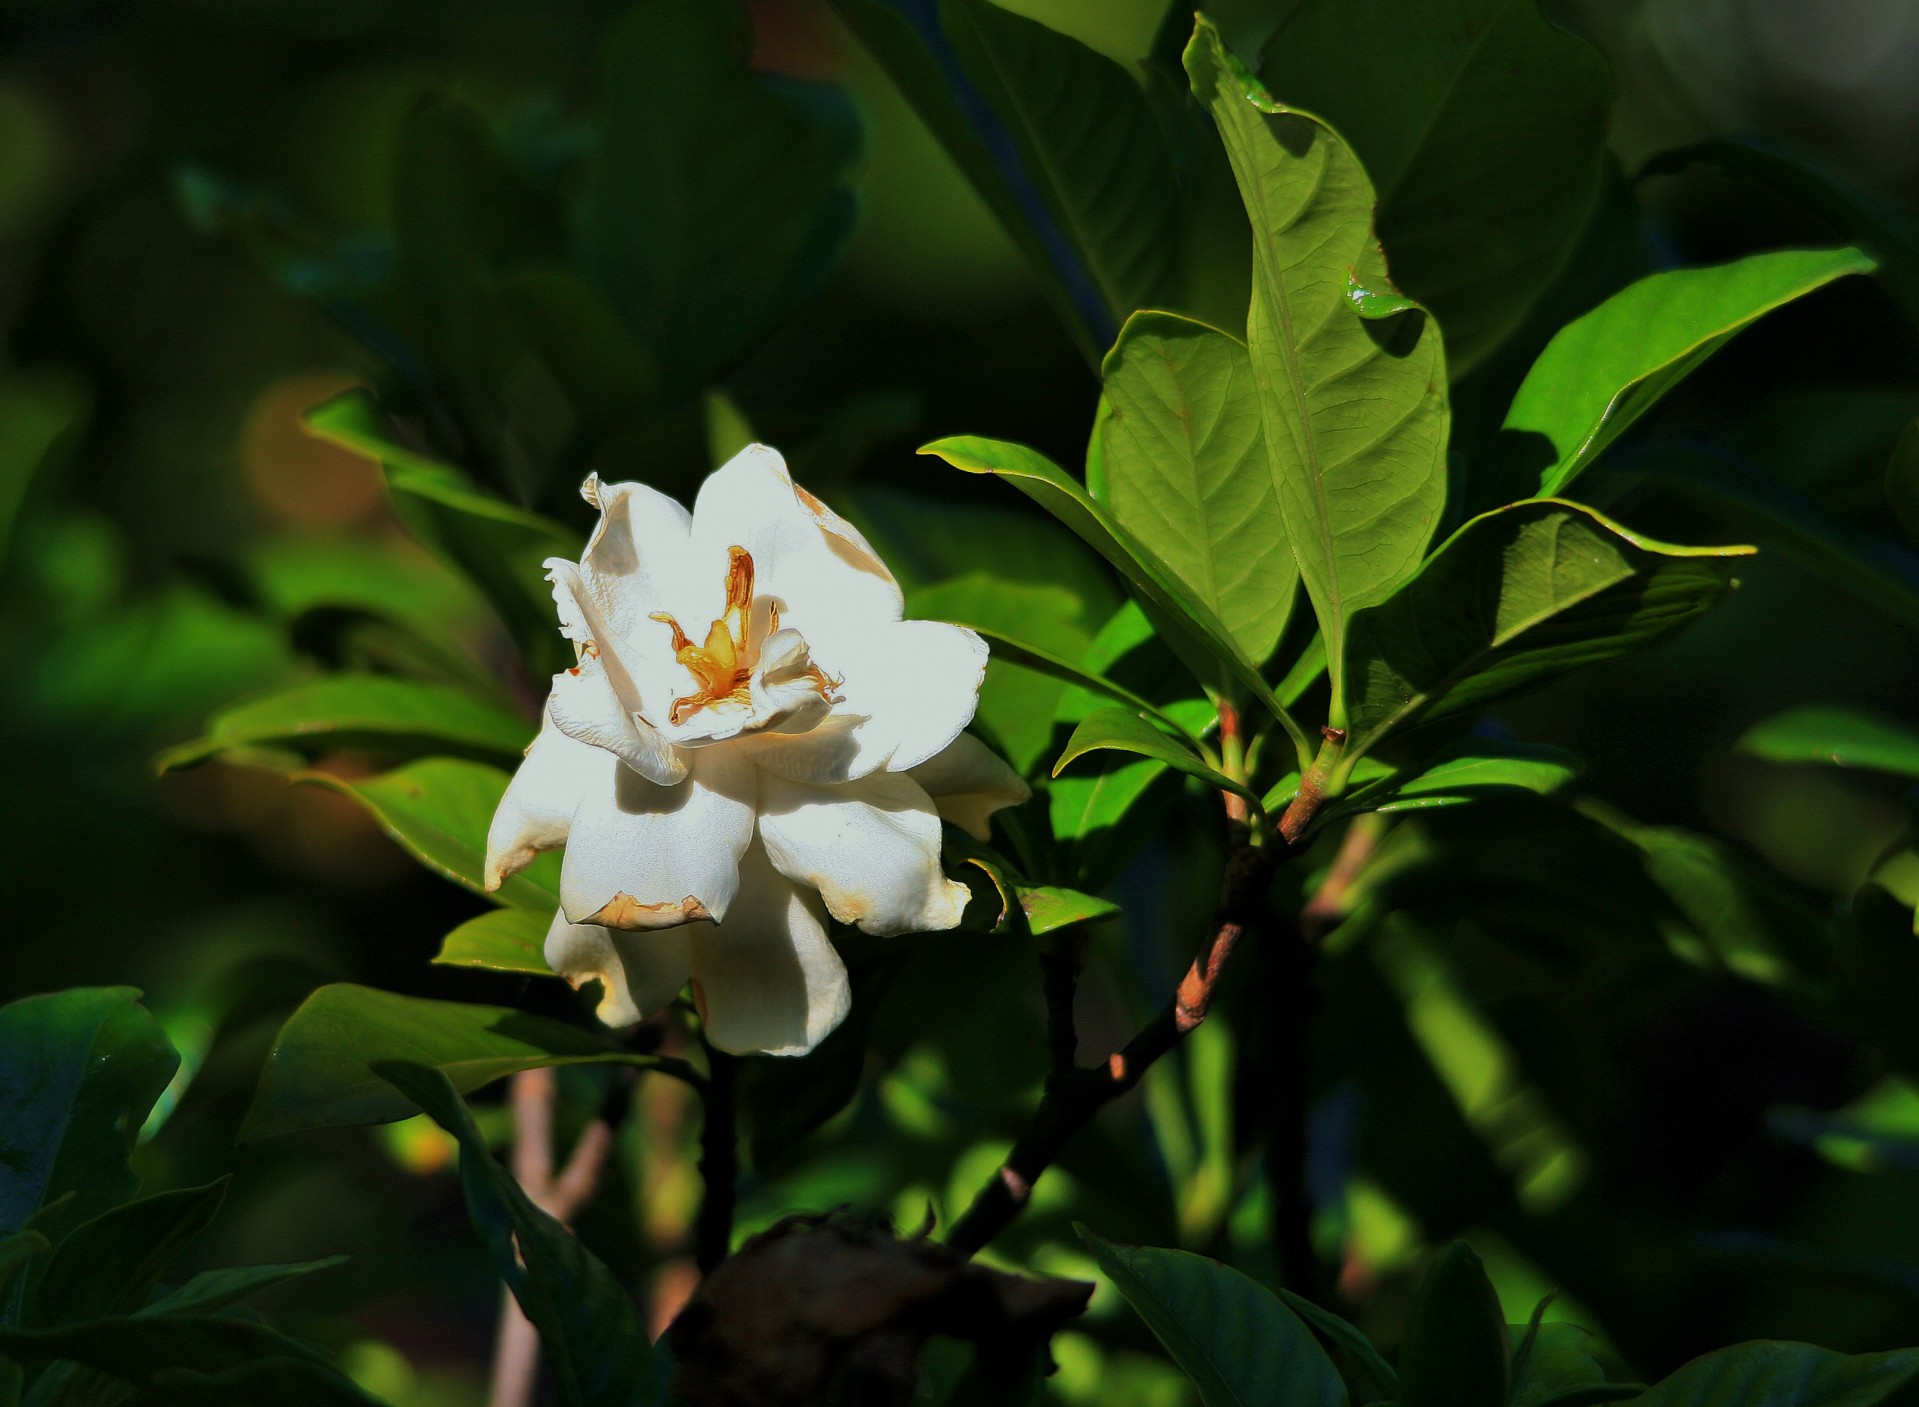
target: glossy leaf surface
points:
(504, 940)
(1121, 731)
(1839, 737)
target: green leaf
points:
(1231, 1335)
(504, 940)
(1454, 1352)
(1784, 1375)
(16, 1251)
(1354, 407)
(1515, 598)
(1841, 737)
(79, 1073)
(1559, 1361)
(109, 1265)
(1121, 731)
(319, 1072)
(599, 1354)
(1088, 142)
(1194, 627)
(498, 547)
(192, 1360)
(439, 809)
(1467, 771)
(1042, 661)
(1605, 370)
(1347, 1336)
(1041, 908)
(213, 1290)
(365, 712)
(1187, 475)
(717, 198)
(1483, 127)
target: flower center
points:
(723, 666)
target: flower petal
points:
(639, 973)
(586, 705)
(916, 683)
(871, 847)
(968, 782)
(784, 696)
(645, 856)
(537, 811)
(767, 979)
(815, 562)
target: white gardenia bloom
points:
(719, 789)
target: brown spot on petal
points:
(623, 911)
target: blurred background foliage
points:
(215, 214)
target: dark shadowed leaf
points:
(1605, 370)
(1517, 597)
(1784, 1375)
(319, 1073)
(1348, 1338)
(79, 1072)
(1464, 772)
(1454, 1353)
(110, 1264)
(717, 198)
(213, 1290)
(589, 1330)
(1483, 127)
(1230, 1334)
(370, 713)
(1354, 406)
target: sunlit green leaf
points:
(1207, 647)
(439, 809)
(1354, 407)
(717, 198)
(319, 1072)
(1483, 127)
(1187, 475)
(365, 712)
(79, 1072)
(1233, 1337)
(1516, 597)
(1033, 657)
(503, 940)
(1454, 1353)
(1840, 737)
(1784, 1375)
(1605, 370)
(591, 1334)
(110, 1264)
(1465, 772)
(1041, 908)
(1088, 142)
(495, 545)
(1121, 731)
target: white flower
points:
(719, 790)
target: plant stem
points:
(1060, 961)
(1073, 1095)
(719, 1161)
(516, 1351)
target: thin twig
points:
(516, 1352)
(719, 1161)
(1074, 1096)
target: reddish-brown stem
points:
(1073, 1095)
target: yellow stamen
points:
(723, 666)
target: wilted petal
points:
(871, 847)
(815, 562)
(968, 782)
(537, 810)
(586, 706)
(639, 973)
(767, 979)
(645, 856)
